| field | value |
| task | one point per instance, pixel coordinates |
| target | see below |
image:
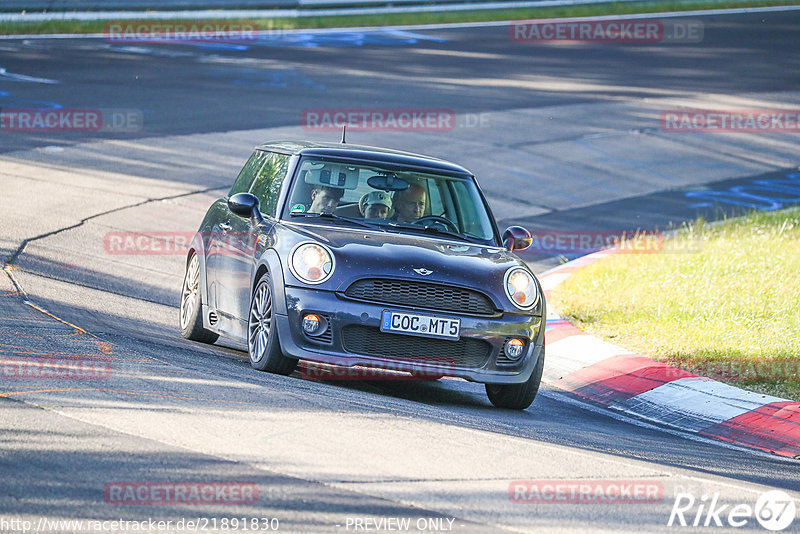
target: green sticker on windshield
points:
(298, 208)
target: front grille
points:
(422, 295)
(369, 341)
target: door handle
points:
(224, 227)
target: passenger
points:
(325, 199)
(377, 205)
(409, 204)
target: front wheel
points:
(191, 305)
(262, 333)
(517, 396)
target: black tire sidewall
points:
(272, 334)
(273, 360)
(517, 396)
(194, 328)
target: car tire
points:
(517, 396)
(190, 312)
(263, 344)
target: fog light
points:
(514, 348)
(311, 323)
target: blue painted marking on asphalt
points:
(790, 186)
(734, 199)
(382, 37)
(302, 39)
(130, 46)
(404, 34)
(762, 195)
(556, 323)
(219, 46)
(8, 100)
(281, 79)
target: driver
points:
(409, 204)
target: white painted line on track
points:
(550, 281)
(22, 78)
(644, 422)
(697, 402)
(585, 350)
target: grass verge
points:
(611, 8)
(729, 310)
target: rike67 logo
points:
(774, 510)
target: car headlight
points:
(311, 263)
(521, 288)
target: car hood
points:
(372, 254)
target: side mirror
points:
(517, 238)
(245, 205)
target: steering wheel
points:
(447, 223)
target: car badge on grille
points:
(423, 271)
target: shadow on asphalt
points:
(555, 417)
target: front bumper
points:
(354, 338)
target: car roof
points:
(365, 153)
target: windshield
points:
(390, 199)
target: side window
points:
(468, 202)
(268, 182)
(248, 172)
(437, 206)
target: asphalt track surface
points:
(325, 453)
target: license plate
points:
(420, 325)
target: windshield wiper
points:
(329, 215)
(436, 230)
